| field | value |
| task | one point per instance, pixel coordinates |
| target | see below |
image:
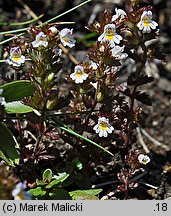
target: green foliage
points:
(17, 107)
(59, 194)
(37, 192)
(61, 144)
(47, 175)
(8, 145)
(17, 90)
(58, 179)
(77, 163)
(85, 194)
(49, 186)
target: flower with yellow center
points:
(65, 37)
(110, 35)
(41, 40)
(103, 127)
(143, 159)
(79, 75)
(16, 58)
(19, 194)
(146, 23)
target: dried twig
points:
(141, 141)
(148, 185)
(156, 142)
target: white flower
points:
(41, 40)
(143, 159)
(16, 58)
(53, 29)
(65, 37)
(19, 194)
(117, 52)
(146, 22)
(120, 14)
(93, 65)
(2, 99)
(110, 35)
(103, 127)
(79, 76)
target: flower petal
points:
(102, 38)
(110, 129)
(96, 127)
(153, 24)
(73, 76)
(105, 134)
(101, 133)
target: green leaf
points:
(17, 90)
(8, 161)
(77, 163)
(17, 107)
(85, 194)
(59, 194)
(8, 145)
(35, 192)
(47, 175)
(60, 178)
(41, 183)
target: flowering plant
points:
(71, 122)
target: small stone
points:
(164, 85)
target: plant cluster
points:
(59, 129)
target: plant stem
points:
(131, 110)
(68, 11)
(21, 23)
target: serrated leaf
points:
(17, 107)
(7, 145)
(127, 92)
(60, 178)
(17, 90)
(47, 175)
(85, 194)
(143, 79)
(132, 79)
(144, 98)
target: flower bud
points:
(50, 77)
(53, 30)
(51, 103)
(102, 48)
